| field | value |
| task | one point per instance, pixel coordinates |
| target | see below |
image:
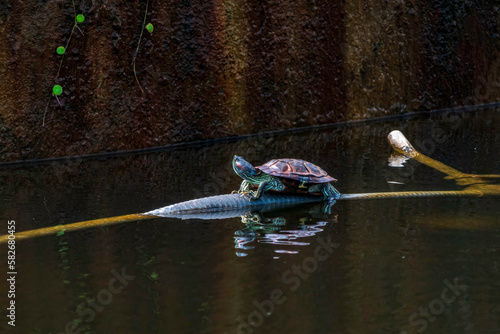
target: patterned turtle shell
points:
(296, 169)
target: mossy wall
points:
(221, 68)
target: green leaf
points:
(150, 28)
(60, 50)
(57, 90)
(80, 18)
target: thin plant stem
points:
(66, 48)
(139, 43)
(75, 25)
(45, 113)
(58, 101)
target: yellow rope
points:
(410, 194)
(75, 226)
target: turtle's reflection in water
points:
(283, 230)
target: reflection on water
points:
(271, 229)
(397, 160)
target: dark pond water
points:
(375, 266)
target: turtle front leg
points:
(244, 187)
(264, 186)
(260, 190)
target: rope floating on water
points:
(411, 194)
(75, 226)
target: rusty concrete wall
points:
(221, 68)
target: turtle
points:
(284, 175)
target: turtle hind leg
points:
(330, 192)
(331, 195)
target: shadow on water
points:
(378, 266)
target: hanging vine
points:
(149, 27)
(61, 50)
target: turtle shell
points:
(296, 169)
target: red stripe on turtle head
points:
(244, 165)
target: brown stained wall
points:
(381, 56)
(414, 55)
(221, 68)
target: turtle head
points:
(243, 168)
